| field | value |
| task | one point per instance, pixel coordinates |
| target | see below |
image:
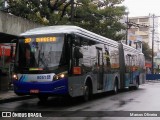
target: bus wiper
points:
(42, 61)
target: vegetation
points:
(146, 51)
(102, 17)
(1, 4)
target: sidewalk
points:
(10, 96)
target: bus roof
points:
(131, 49)
(69, 29)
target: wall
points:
(14, 25)
(10, 24)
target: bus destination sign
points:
(41, 39)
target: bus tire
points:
(115, 89)
(137, 84)
(86, 93)
(19, 94)
(43, 98)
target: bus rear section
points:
(134, 70)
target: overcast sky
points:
(142, 7)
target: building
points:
(147, 27)
(143, 26)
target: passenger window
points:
(107, 58)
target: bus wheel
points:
(115, 90)
(86, 93)
(137, 84)
(43, 98)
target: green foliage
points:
(100, 17)
(146, 51)
(1, 4)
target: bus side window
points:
(107, 58)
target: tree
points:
(102, 17)
(1, 4)
(146, 51)
(41, 11)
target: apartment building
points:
(143, 26)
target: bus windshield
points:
(42, 53)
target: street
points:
(146, 98)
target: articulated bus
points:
(71, 61)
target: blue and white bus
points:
(71, 61)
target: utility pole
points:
(153, 30)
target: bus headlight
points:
(60, 76)
(14, 77)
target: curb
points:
(18, 98)
(153, 81)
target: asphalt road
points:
(145, 100)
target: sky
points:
(142, 7)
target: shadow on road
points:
(69, 102)
(60, 103)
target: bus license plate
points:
(34, 91)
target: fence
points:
(152, 76)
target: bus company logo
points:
(6, 114)
(44, 77)
(18, 114)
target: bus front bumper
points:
(50, 88)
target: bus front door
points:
(100, 69)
